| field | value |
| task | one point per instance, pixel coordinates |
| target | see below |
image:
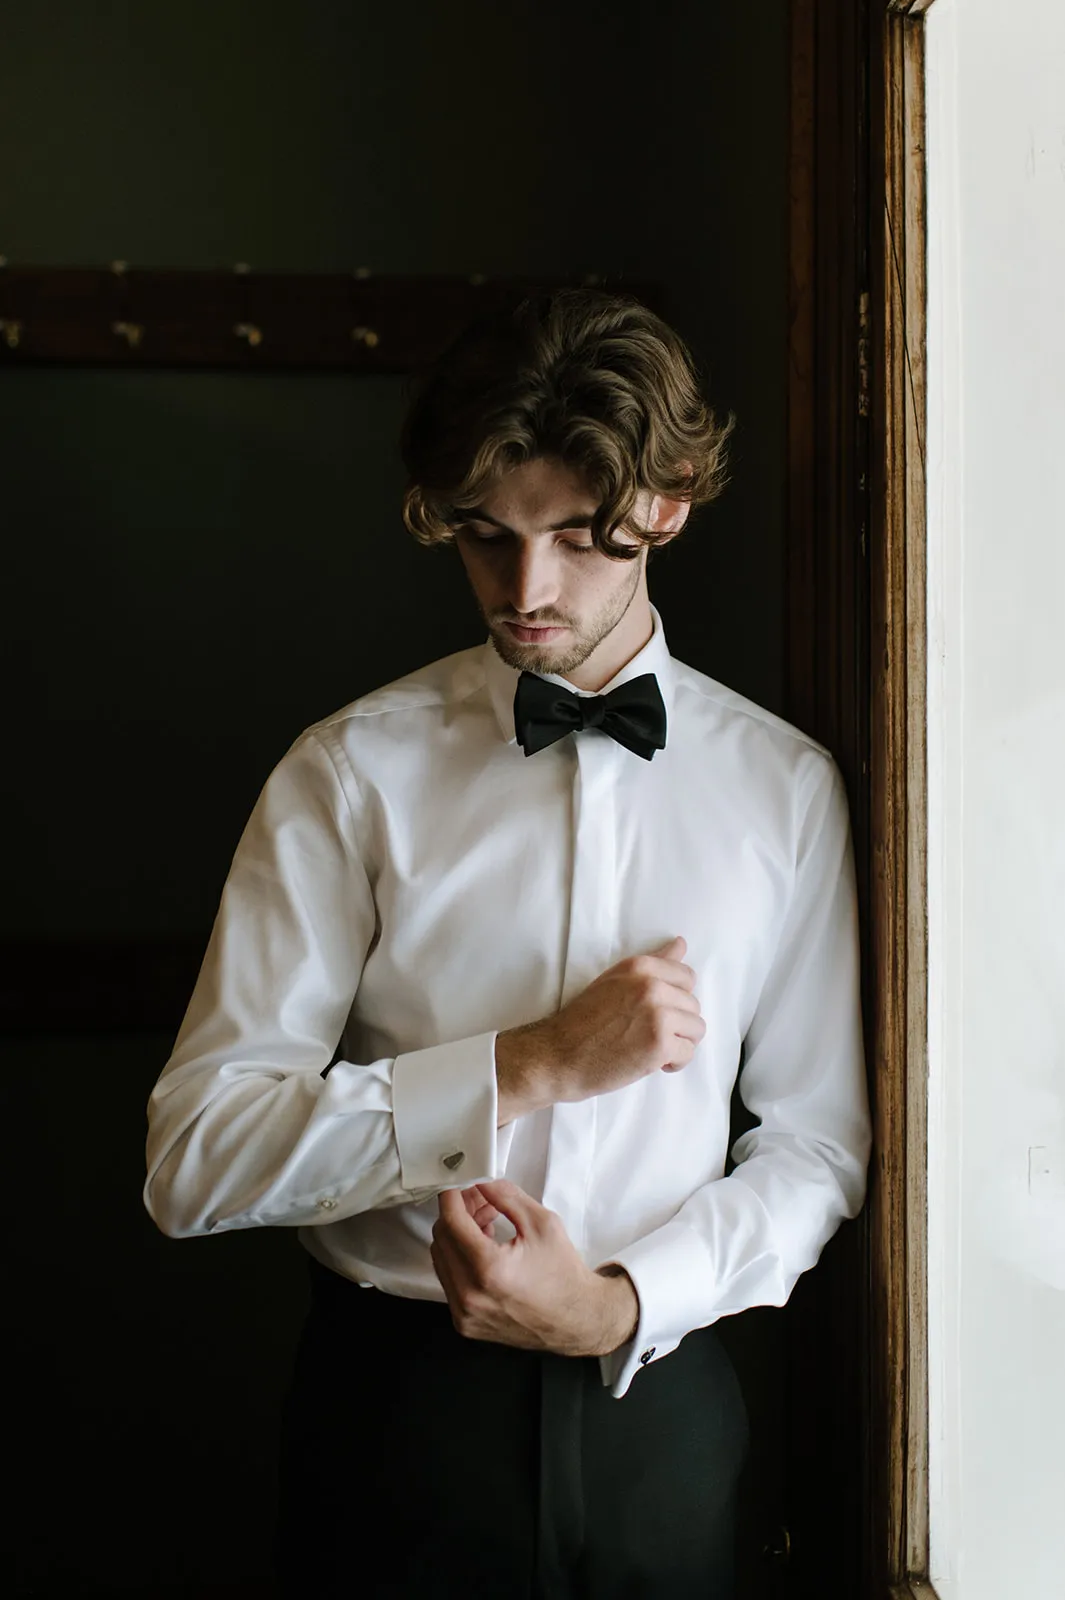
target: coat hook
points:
(10, 332)
(363, 272)
(130, 331)
(365, 336)
(248, 330)
(119, 267)
(477, 278)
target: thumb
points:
(671, 949)
(517, 1206)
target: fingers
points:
(443, 1271)
(667, 963)
(688, 1024)
(466, 1217)
(453, 1209)
(689, 1030)
(674, 999)
(688, 1033)
(458, 1222)
(480, 1209)
(517, 1206)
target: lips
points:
(534, 635)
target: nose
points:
(533, 578)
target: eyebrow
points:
(579, 519)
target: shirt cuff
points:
(659, 1266)
(445, 1104)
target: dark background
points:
(198, 565)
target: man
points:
(490, 948)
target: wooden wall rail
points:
(251, 321)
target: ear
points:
(668, 516)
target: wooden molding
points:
(247, 321)
(898, 1202)
(856, 663)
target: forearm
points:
(526, 1073)
(620, 1310)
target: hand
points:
(638, 1017)
(533, 1292)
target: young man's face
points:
(552, 601)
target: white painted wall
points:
(996, 447)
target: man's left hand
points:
(533, 1291)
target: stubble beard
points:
(570, 654)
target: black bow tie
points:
(634, 714)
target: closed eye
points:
(497, 537)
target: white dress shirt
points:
(409, 884)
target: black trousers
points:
(416, 1463)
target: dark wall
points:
(199, 565)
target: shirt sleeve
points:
(743, 1240)
(246, 1126)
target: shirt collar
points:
(502, 679)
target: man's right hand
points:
(638, 1017)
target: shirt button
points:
(645, 1358)
(327, 1205)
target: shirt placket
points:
(590, 950)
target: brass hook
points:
(248, 330)
(365, 336)
(130, 331)
(11, 331)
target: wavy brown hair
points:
(591, 378)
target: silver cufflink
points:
(454, 1161)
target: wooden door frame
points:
(857, 664)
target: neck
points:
(634, 631)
